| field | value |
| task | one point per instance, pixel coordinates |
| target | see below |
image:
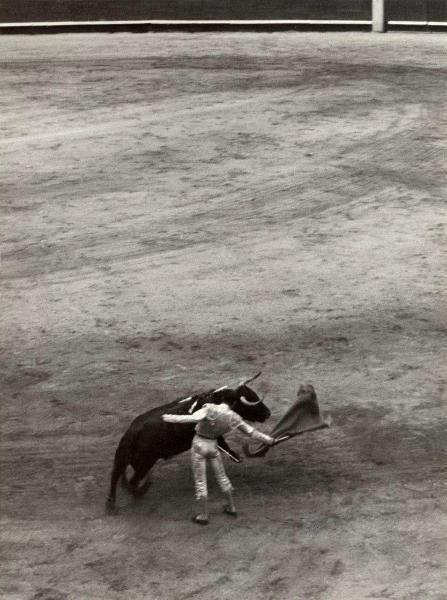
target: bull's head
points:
(250, 406)
(244, 401)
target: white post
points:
(379, 20)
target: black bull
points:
(149, 438)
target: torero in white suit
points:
(213, 421)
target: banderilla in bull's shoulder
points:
(226, 387)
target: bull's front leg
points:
(222, 445)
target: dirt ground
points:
(180, 211)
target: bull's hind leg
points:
(120, 463)
(117, 471)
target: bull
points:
(149, 439)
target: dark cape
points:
(303, 416)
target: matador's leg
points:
(224, 484)
(199, 472)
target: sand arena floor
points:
(179, 211)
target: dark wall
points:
(83, 10)
(417, 10)
(94, 10)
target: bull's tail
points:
(122, 457)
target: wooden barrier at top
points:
(377, 13)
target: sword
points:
(236, 460)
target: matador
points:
(213, 421)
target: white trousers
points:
(202, 451)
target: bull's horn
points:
(244, 400)
(224, 387)
(249, 380)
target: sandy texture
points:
(179, 211)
